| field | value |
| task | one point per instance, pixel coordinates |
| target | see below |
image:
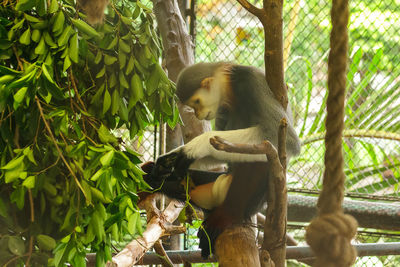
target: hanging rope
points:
(329, 235)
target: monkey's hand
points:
(162, 183)
(175, 164)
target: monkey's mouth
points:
(209, 116)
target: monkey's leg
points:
(245, 197)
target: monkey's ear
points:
(206, 82)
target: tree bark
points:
(236, 246)
(179, 53)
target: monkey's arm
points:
(200, 149)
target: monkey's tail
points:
(217, 221)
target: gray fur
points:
(189, 79)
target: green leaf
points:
(105, 135)
(153, 81)
(45, 242)
(97, 175)
(115, 102)
(85, 28)
(107, 158)
(123, 110)
(121, 60)
(101, 72)
(20, 94)
(29, 153)
(29, 182)
(98, 57)
(67, 63)
(16, 245)
(59, 20)
(130, 66)
(41, 7)
(132, 222)
(112, 44)
(49, 40)
(122, 80)
(73, 48)
(25, 37)
(124, 46)
(136, 90)
(108, 60)
(19, 97)
(24, 5)
(31, 18)
(6, 78)
(106, 101)
(64, 37)
(14, 163)
(47, 74)
(36, 34)
(41, 48)
(53, 6)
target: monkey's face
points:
(205, 103)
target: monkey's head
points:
(198, 86)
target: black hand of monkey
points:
(173, 166)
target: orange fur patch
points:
(206, 83)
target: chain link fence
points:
(227, 32)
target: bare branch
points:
(258, 12)
(156, 228)
(166, 261)
(57, 147)
(263, 148)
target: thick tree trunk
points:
(178, 54)
(236, 246)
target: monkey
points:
(245, 111)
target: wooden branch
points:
(179, 52)
(264, 148)
(276, 214)
(166, 261)
(290, 241)
(273, 55)
(275, 224)
(236, 246)
(282, 143)
(156, 228)
(258, 12)
(57, 147)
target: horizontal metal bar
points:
(292, 252)
(377, 215)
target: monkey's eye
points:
(197, 101)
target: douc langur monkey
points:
(245, 111)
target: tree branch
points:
(166, 261)
(258, 12)
(156, 228)
(57, 147)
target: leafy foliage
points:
(68, 185)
